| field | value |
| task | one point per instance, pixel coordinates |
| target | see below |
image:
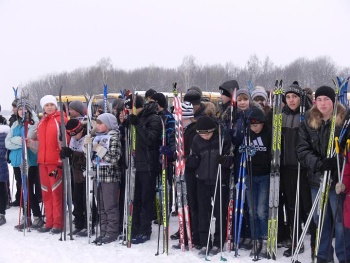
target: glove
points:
(166, 150)
(100, 150)
(339, 188)
(220, 159)
(66, 152)
(87, 139)
(233, 136)
(329, 164)
(133, 120)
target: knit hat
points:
(73, 127)
(129, 101)
(149, 93)
(228, 87)
(294, 88)
(245, 92)
(27, 103)
(78, 106)
(193, 96)
(160, 99)
(118, 104)
(48, 99)
(205, 124)
(14, 103)
(109, 120)
(325, 91)
(187, 110)
(259, 92)
(196, 88)
(256, 115)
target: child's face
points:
(50, 108)
(293, 101)
(256, 127)
(242, 102)
(101, 127)
(206, 136)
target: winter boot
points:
(263, 251)
(21, 224)
(256, 248)
(214, 250)
(37, 223)
(2, 219)
(288, 253)
(175, 236)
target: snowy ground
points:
(43, 247)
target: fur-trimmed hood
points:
(315, 117)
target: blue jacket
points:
(4, 170)
(14, 143)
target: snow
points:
(44, 247)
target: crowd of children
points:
(231, 140)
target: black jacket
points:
(261, 161)
(203, 158)
(148, 133)
(313, 142)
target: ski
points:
(67, 198)
(131, 175)
(275, 171)
(181, 190)
(89, 173)
(229, 225)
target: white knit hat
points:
(48, 99)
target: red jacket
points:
(346, 182)
(49, 138)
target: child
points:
(77, 133)
(50, 164)
(205, 158)
(14, 144)
(4, 172)
(107, 150)
(258, 181)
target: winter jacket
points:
(109, 171)
(49, 138)
(14, 142)
(4, 171)
(313, 141)
(148, 132)
(204, 155)
(78, 160)
(290, 137)
(346, 205)
(261, 161)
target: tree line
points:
(260, 72)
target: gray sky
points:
(40, 37)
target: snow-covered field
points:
(43, 247)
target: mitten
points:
(166, 150)
(66, 152)
(329, 164)
(339, 188)
(87, 139)
(100, 150)
(133, 120)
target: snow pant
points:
(191, 184)
(145, 185)
(334, 215)
(260, 215)
(3, 197)
(108, 208)
(79, 202)
(51, 187)
(18, 179)
(289, 179)
(122, 199)
(33, 202)
(205, 194)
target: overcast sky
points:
(41, 37)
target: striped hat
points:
(187, 110)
